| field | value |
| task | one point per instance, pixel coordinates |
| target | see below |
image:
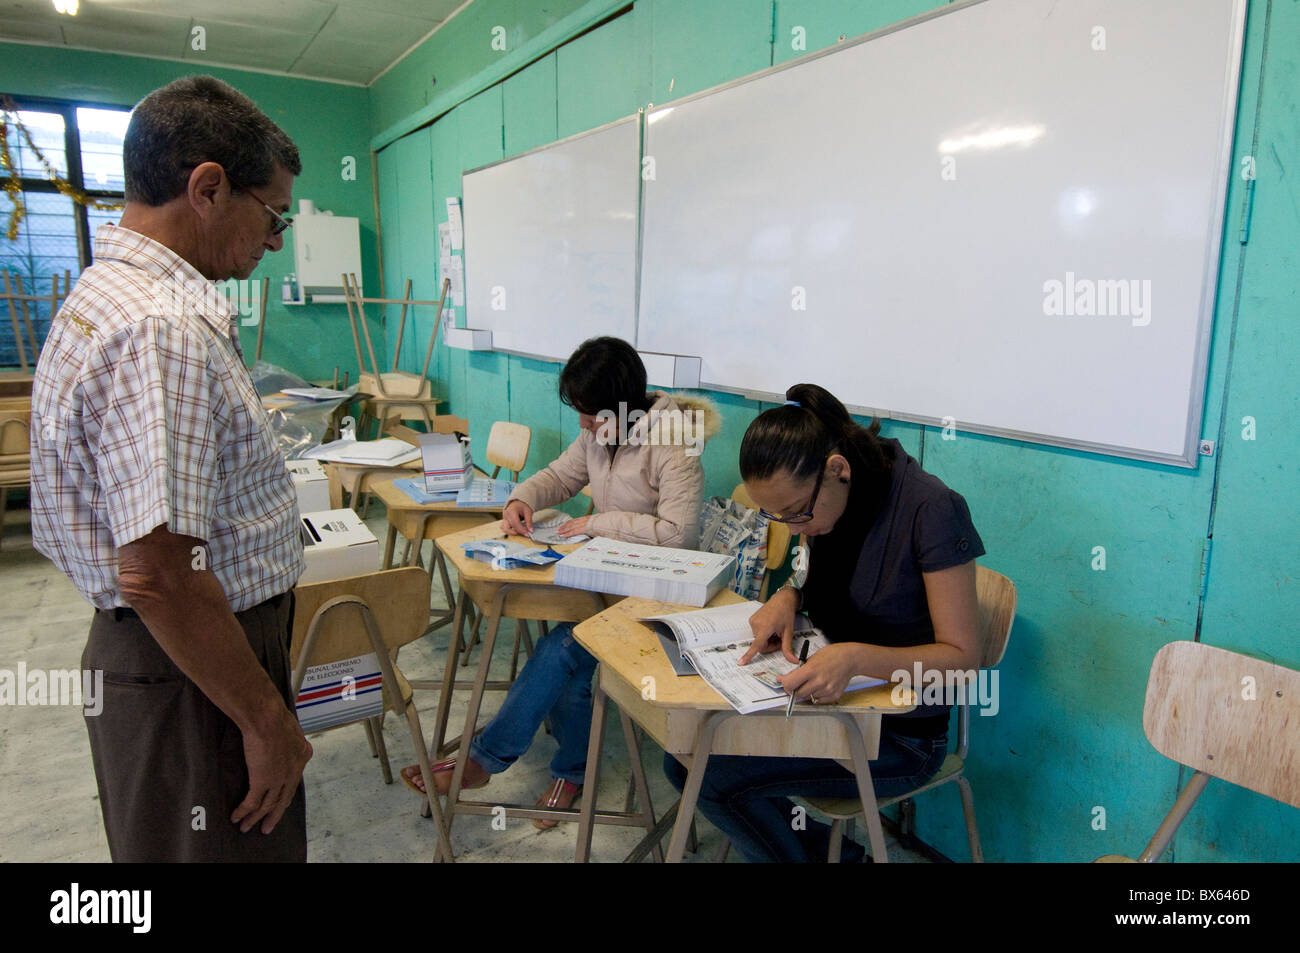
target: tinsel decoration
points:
(12, 184)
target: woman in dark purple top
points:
(891, 582)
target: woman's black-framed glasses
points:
(805, 516)
(278, 222)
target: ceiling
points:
(350, 41)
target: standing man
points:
(158, 489)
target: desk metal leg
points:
(475, 700)
(586, 820)
(638, 779)
(448, 678)
(388, 546)
(866, 790)
(694, 779)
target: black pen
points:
(803, 657)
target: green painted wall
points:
(1068, 738)
(327, 121)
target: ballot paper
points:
(545, 531)
(506, 554)
(713, 641)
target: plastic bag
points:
(298, 425)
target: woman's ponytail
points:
(798, 436)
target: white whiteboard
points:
(925, 292)
(550, 243)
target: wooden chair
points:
(378, 612)
(15, 450)
(778, 540)
(997, 609)
(1201, 713)
(395, 393)
(591, 507)
(21, 305)
(508, 447)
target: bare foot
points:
(476, 776)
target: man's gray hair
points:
(194, 120)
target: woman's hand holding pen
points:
(518, 518)
(773, 626)
(824, 675)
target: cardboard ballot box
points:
(446, 462)
(312, 484)
(337, 544)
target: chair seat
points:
(844, 808)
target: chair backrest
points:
(508, 446)
(997, 610)
(15, 430)
(342, 618)
(1228, 715)
(591, 507)
(778, 539)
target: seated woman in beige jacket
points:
(640, 452)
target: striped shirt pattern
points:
(143, 414)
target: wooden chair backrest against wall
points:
(1224, 715)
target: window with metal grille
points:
(83, 145)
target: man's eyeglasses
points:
(278, 222)
(805, 516)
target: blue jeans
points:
(555, 680)
(748, 798)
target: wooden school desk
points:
(417, 522)
(526, 594)
(690, 720)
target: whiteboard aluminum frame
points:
(1210, 269)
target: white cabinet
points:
(325, 247)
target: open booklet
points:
(712, 642)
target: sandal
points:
(561, 794)
(412, 771)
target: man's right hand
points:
(773, 626)
(518, 518)
(276, 754)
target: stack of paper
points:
(485, 492)
(314, 393)
(682, 576)
(389, 452)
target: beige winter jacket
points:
(652, 490)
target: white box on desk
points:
(312, 484)
(447, 465)
(682, 576)
(337, 544)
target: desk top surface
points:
(632, 651)
(472, 569)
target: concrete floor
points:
(51, 807)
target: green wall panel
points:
(593, 83)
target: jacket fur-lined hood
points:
(676, 418)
